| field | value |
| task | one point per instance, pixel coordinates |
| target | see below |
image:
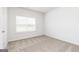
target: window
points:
(25, 24)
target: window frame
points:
(26, 25)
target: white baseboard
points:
(71, 42)
(23, 38)
(68, 41)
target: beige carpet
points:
(41, 44)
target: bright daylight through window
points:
(25, 24)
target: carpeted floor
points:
(41, 44)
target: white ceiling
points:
(40, 9)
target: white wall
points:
(63, 23)
(13, 12)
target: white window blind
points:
(25, 24)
